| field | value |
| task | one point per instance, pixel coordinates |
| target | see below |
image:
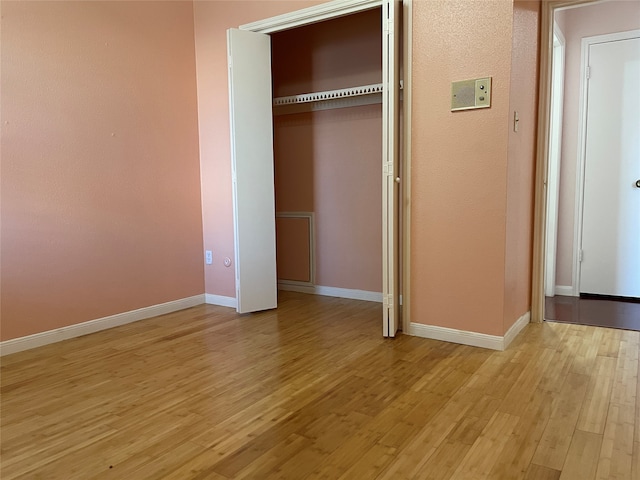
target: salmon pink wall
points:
(100, 174)
(521, 161)
(609, 17)
(459, 166)
(328, 162)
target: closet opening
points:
(315, 150)
(327, 156)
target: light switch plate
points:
(471, 94)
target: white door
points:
(252, 169)
(553, 174)
(391, 36)
(611, 209)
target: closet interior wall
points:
(329, 162)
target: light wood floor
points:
(313, 391)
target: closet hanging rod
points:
(328, 95)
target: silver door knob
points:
(398, 180)
(638, 183)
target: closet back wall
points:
(329, 162)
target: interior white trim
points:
(220, 300)
(452, 335)
(582, 143)
(564, 290)
(554, 154)
(407, 62)
(579, 193)
(314, 14)
(57, 335)
(515, 329)
(474, 339)
(333, 292)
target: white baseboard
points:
(333, 292)
(474, 339)
(564, 290)
(221, 300)
(52, 336)
(515, 329)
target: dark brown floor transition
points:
(587, 311)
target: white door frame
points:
(582, 144)
(548, 9)
(339, 8)
(555, 149)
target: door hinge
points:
(387, 301)
(387, 169)
(580, 255)
(588, 72)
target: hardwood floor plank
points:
(483, 454)
(582, 459)
(312, 390)
(566, 358)
(610, 343)
(635, 465)
(636, 437)
(156, 461)
(593, 413)
(616, 454)
(371, 463)
(420, 449)
(350, 453)
(554, 444)
(528, 381)
(537, 472)
(626, 374)
(444, 461)
(274, 458)
(515, 459)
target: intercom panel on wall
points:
(471, 94)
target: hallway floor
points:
(587, 311)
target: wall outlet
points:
(208, 257)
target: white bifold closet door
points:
(252, 167)
(391, 34)
(252, 170)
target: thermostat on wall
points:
(471, 94)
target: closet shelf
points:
(328, 95)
